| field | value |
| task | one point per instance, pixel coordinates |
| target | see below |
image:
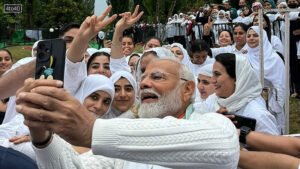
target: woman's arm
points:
(267, 160)
(277, 144)
(126, 22)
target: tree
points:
(119, 6)
(164, 6)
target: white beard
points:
(167, 105)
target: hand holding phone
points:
(243, 121)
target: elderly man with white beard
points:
(207, 141)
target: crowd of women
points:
(226, 69)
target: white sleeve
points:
(294, 16)
(277, 44)
(118, 65)
(75, 73)
(208, 141)
(58, 155)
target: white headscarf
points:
(169, 20)
(92, 83)
(176, 20)
(91, 51)
(206, 70)
(219, 20)
(186, 57)
(119, 74)
(34, 46)
(269, 54)
(247, 86)
(283, 3)
(114, 78)
(107, 50)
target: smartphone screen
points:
(50, 61)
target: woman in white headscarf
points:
(274, 72)
(125, 94)
(205, 102)
(221, 17)
(177, 23)
(220, 24)
(170, 30)
(96, 93)
(180, 52)
(238, 89)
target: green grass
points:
(19, 52)
(294, 115)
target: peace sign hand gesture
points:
(128, 19)
(92, 25)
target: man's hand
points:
(49, 108)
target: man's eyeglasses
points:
(159, 76)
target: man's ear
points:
(188, 89)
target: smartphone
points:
(243, 121)
(50, 61)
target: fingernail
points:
(22, 95)
(59, 83)
(18, 108)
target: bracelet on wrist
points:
(116, 46)
(43, 143)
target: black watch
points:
(244, 131)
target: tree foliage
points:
(163, 8)
(49, 13)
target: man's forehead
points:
(165, 65)
(72, 32)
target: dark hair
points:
(132, 55)
(250, 10)
(268, 28)
(226, 30)
(242, 25)
(199, 46)
(94, 56)
(6, 50)
(130, 37)
(153, 37)
(67, 27)
(228, 61)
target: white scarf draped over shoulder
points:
(247, 86)
(271, 58)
